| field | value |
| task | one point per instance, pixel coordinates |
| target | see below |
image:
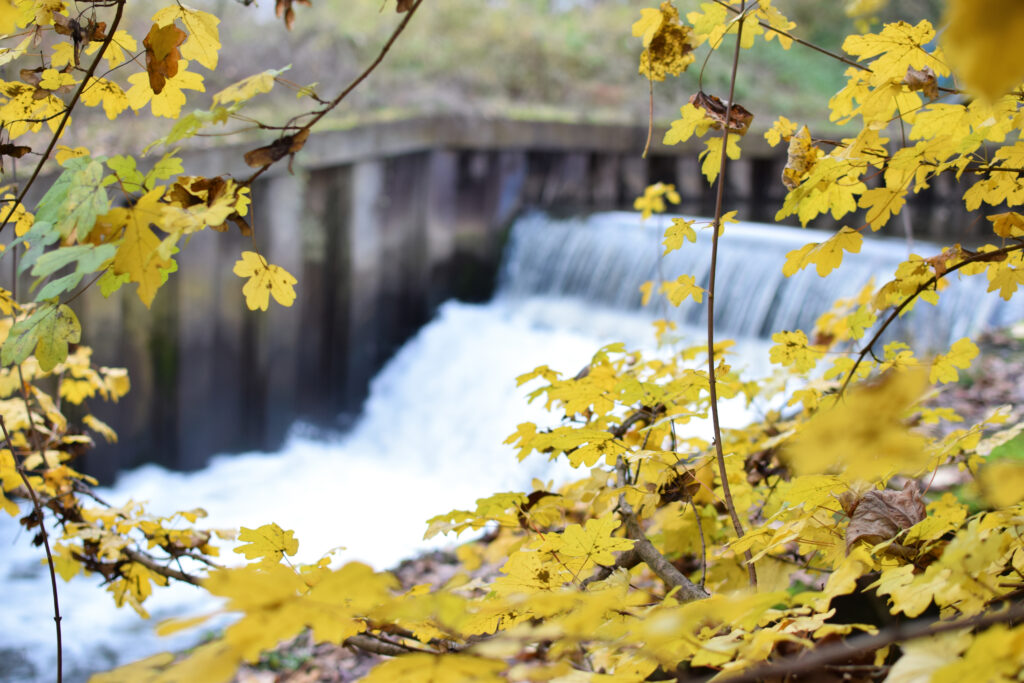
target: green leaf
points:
(110, 281)
(189, 125)
(126, 173)
(168, 167)
(49, 331)
(41, 235)
(88, 257)
(76, 199)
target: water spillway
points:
(603, 259)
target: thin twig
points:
(716, 228)
(350, 87)
(46, 544)
(67, 114)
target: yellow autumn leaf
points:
(63, 54)
(982, 41)
(793, 348)
(247, 88)
(137, 255)
(1002, 482)
(863, 435)
(882, 203)
(1008, 225)
(264, 279)
(51, 79)
(116, 54)
(680, 230)
(107, 93)
(682, 287)
(64, 153)
(960, 355)
(171, 99)
(580, 548)
(428, 668)
(268, 542)
(781, 131)
(712, 155)
(203, 44)
(692, 121)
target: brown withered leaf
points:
(739, 117)
(90, 31)
(283, 9)
(880, 515)
(405, 5)
(16, 151)
(31, 76)
(162, 54)
(949, 256)
(289, 144)
(923, 80)
(190, 191)
(800, 158)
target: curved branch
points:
(931, 282)
(348, 89)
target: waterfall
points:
(604, 258)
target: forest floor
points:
(993, 380)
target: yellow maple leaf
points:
(863, 435)
(682, 287)
(247, 88)
(203, 44)
(960, 355)
(107, 93)
(712, 155)
(668, 44)
(264, 279)
(580, 548)
(120, 44)
(137, 255)
(793, 348)
(1008, 225)
(653, 199)
(692, 121)
(64, 153)
(449, 668)
(63, 54)
(680, 230)
(882, 203)
(171, 99)
(268, 542)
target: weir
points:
(605, 258)
(380, 224)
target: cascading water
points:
(429, 438)
(603, 260)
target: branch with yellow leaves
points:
(928, 284)
(67, 112)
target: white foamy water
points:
(429, 440)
